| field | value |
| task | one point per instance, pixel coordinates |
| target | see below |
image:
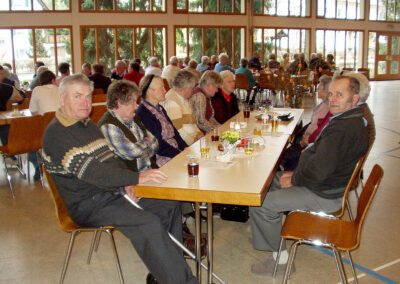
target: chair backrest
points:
(21, 106)
(241, 82)
(350, 185)
(25, 135)
(166, 85)
(97, 112)
(267, 81)
(98, 91)
(99, 98)
(347, 69)
(366, 197)
(64, 220)
(47, 118)
(28, 94)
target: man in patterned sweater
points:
(90, 177)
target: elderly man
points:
(99, 80)
(63, 68)
(91, 181)
(12, 76)
(153, 67)
(35, 82)
(119, 72)
(125, 133)
(225, 102)
(170, 70)
(178, 107)
(254, 62)
(223, 64)
(319, 181)
(200, 101)
(86, 69)
(192, 68)
(203, 66)
(213, 62)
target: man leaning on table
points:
(319, 181)
(90, 177)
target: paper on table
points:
(217, 164)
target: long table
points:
(7, 116)
(243, 181)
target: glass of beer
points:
(249, 146)
(193, 166)
(204, 146)
(215, 135)
(246, 112)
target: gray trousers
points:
(266, 221)
(147, 231)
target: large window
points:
(108, 44)
(280, 41)
(384, 10)
(345, 46)
(198, 41)
(123, 5)
(23, 47)
(210, 6)
(35, 5)
(297, 8)
(341, 9)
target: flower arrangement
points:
(231, 136)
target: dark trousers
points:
(147, 230)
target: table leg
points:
(210, 242)
(198, 240)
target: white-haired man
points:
(119, 72)
(223, 64)
(170, 70)
(203, 66)
(153, 68)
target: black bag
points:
(235, 213)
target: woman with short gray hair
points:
(200, 101)
(203, 66)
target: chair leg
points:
(8, 177)
(339, 265)
(292, 255)
(277, 258)
(66, 261)
(352, 267)
(28, 168)
(38, 158)
(349, 210)
(19, 166)
(98, 240)
(110, 234)
(355, 190)
(92, 245)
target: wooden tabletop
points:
(7, 116)
(243, 181)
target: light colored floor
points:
(32, 246)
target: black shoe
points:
(185, 228)
(192, 215)
(150, 279)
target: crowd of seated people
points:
(145, 126)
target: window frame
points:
(288, 15)
(377, 11)
(115, 10)
(116, 27)
(34, 43)
(231, 56)
(37, 11)
(345, 52)
(342, 19)
(262, 59)
(186, 11)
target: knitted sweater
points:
(82, 165)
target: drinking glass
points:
(249, 146)
(246, 112)
(14, 107)
(193, 166)
(204, 146)
(215, 135)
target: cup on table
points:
(14, 107)
(193, 166)
(246, 112)
(249, 146)
(257, 130)
(274, 123)
(204, 146)
(215, 135)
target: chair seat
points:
(4, 150)
(302, 225)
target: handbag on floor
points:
(237, 213)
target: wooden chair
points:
(47, 117)
(166, 85)
(99, 98)
(267, 82)
(69, 226)
(28, 94)
(242, 84)
(98, 91)
(97, 112)
(338, 235)
(347, 69)
(21, 106)
(25, 136)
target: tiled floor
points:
(32, 246)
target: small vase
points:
(229, 149)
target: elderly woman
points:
(125, 133)
(178, 107)
(244, 70)
(201, 101)
(223, 64)
(224, 102)
(156, 120)
(192, 68)
(203, 66)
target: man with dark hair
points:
(37, 65)
(63, 68)
(45, 97)
(13, 76)
(255, 62)
(91, 181)
(134, 75)
(100, 81)
(319, 181)
(125, 133)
